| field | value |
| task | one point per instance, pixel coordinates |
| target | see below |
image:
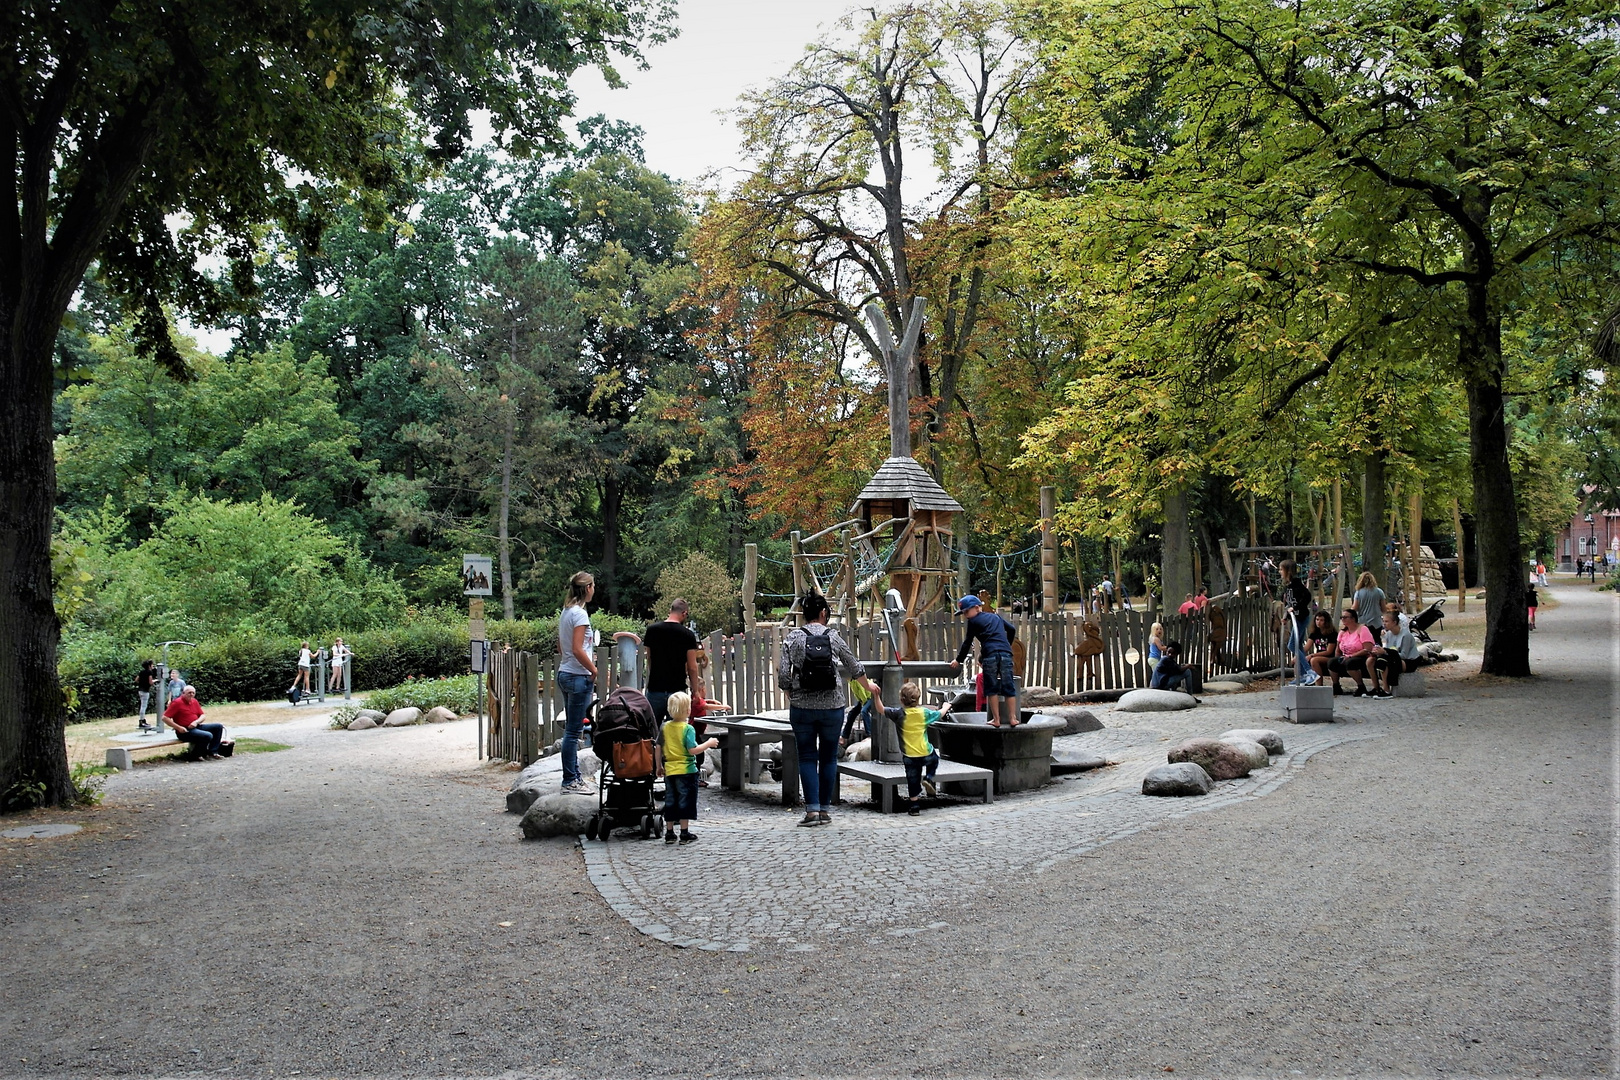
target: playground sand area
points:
(1433, 895)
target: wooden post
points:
(1414, 532)
(750, 583)
(1001, 564)
(798, 574)
(1049, 589)
(964, 573)
(529, 706)
(1119, 572)
(1232, 582)
(1254, 528)
(849, 576)
(1462, 570)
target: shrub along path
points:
(1435, 900)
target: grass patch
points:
(260, 746)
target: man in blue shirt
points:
(995, 659)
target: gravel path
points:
(1437, 898)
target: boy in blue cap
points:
(994, 635)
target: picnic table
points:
(741, 738)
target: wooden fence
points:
(742, 667)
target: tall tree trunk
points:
(1501, 561)
(33, 752)
(612, 503)
(505, 520)
(1373, 510)
(1176, 575)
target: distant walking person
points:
(1369, 602)
(145, 682)
(576, 676)
(177, 684)
(812, 665)
(1531, 601)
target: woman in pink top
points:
(1355, 650)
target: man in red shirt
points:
(185, 714)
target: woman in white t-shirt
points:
(304, 661)
(576, 675)
(340, 656)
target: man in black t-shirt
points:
(672, 659)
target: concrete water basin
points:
(1020, 757)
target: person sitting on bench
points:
(1170, 674)
(1397, 656)
(185, 714)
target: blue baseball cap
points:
(967, 603)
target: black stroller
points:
(628, 793)
(1427, 618)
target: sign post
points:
(476, 573)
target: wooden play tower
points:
(903, 520)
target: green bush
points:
(708, 590)
(242, 667)
(458, 694)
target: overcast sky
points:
(725, 47)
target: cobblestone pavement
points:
(891, 870)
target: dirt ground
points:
(1437, 900)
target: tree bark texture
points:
(33, 753)
(1176, 574)
(612, 503)
(1502, 567)
(505, 520)
(1373, 509)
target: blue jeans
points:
(204, 738)
(1301, 623)
(916, 767)
(659, 700)
(816, 732)
(998, 675)
(577, 691)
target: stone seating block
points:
(1412, 684)
(1308, 704)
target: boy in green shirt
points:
(922, 760)
(681, 748)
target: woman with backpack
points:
(812, 666)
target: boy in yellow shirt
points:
(681, 749)
(922, 760)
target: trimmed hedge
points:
(101, 670)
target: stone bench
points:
(121, 757)
(1412, 684)
(885, 777)
(1308, 704)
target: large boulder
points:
(1076, 720)
(1223, 761)
(1184, 778)
(361, 723)
(405, 717)
(557, 814)
(1155, 701)
(376, 716)
(1267, 738)
(1243, 677)
(1224, 687)
(440, 715)
(1038, 697)
(1258, 758)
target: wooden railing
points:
(742, 667)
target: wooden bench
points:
(886, 776)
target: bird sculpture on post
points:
(902, 490)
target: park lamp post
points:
(1591, 543)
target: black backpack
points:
(816, 671)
